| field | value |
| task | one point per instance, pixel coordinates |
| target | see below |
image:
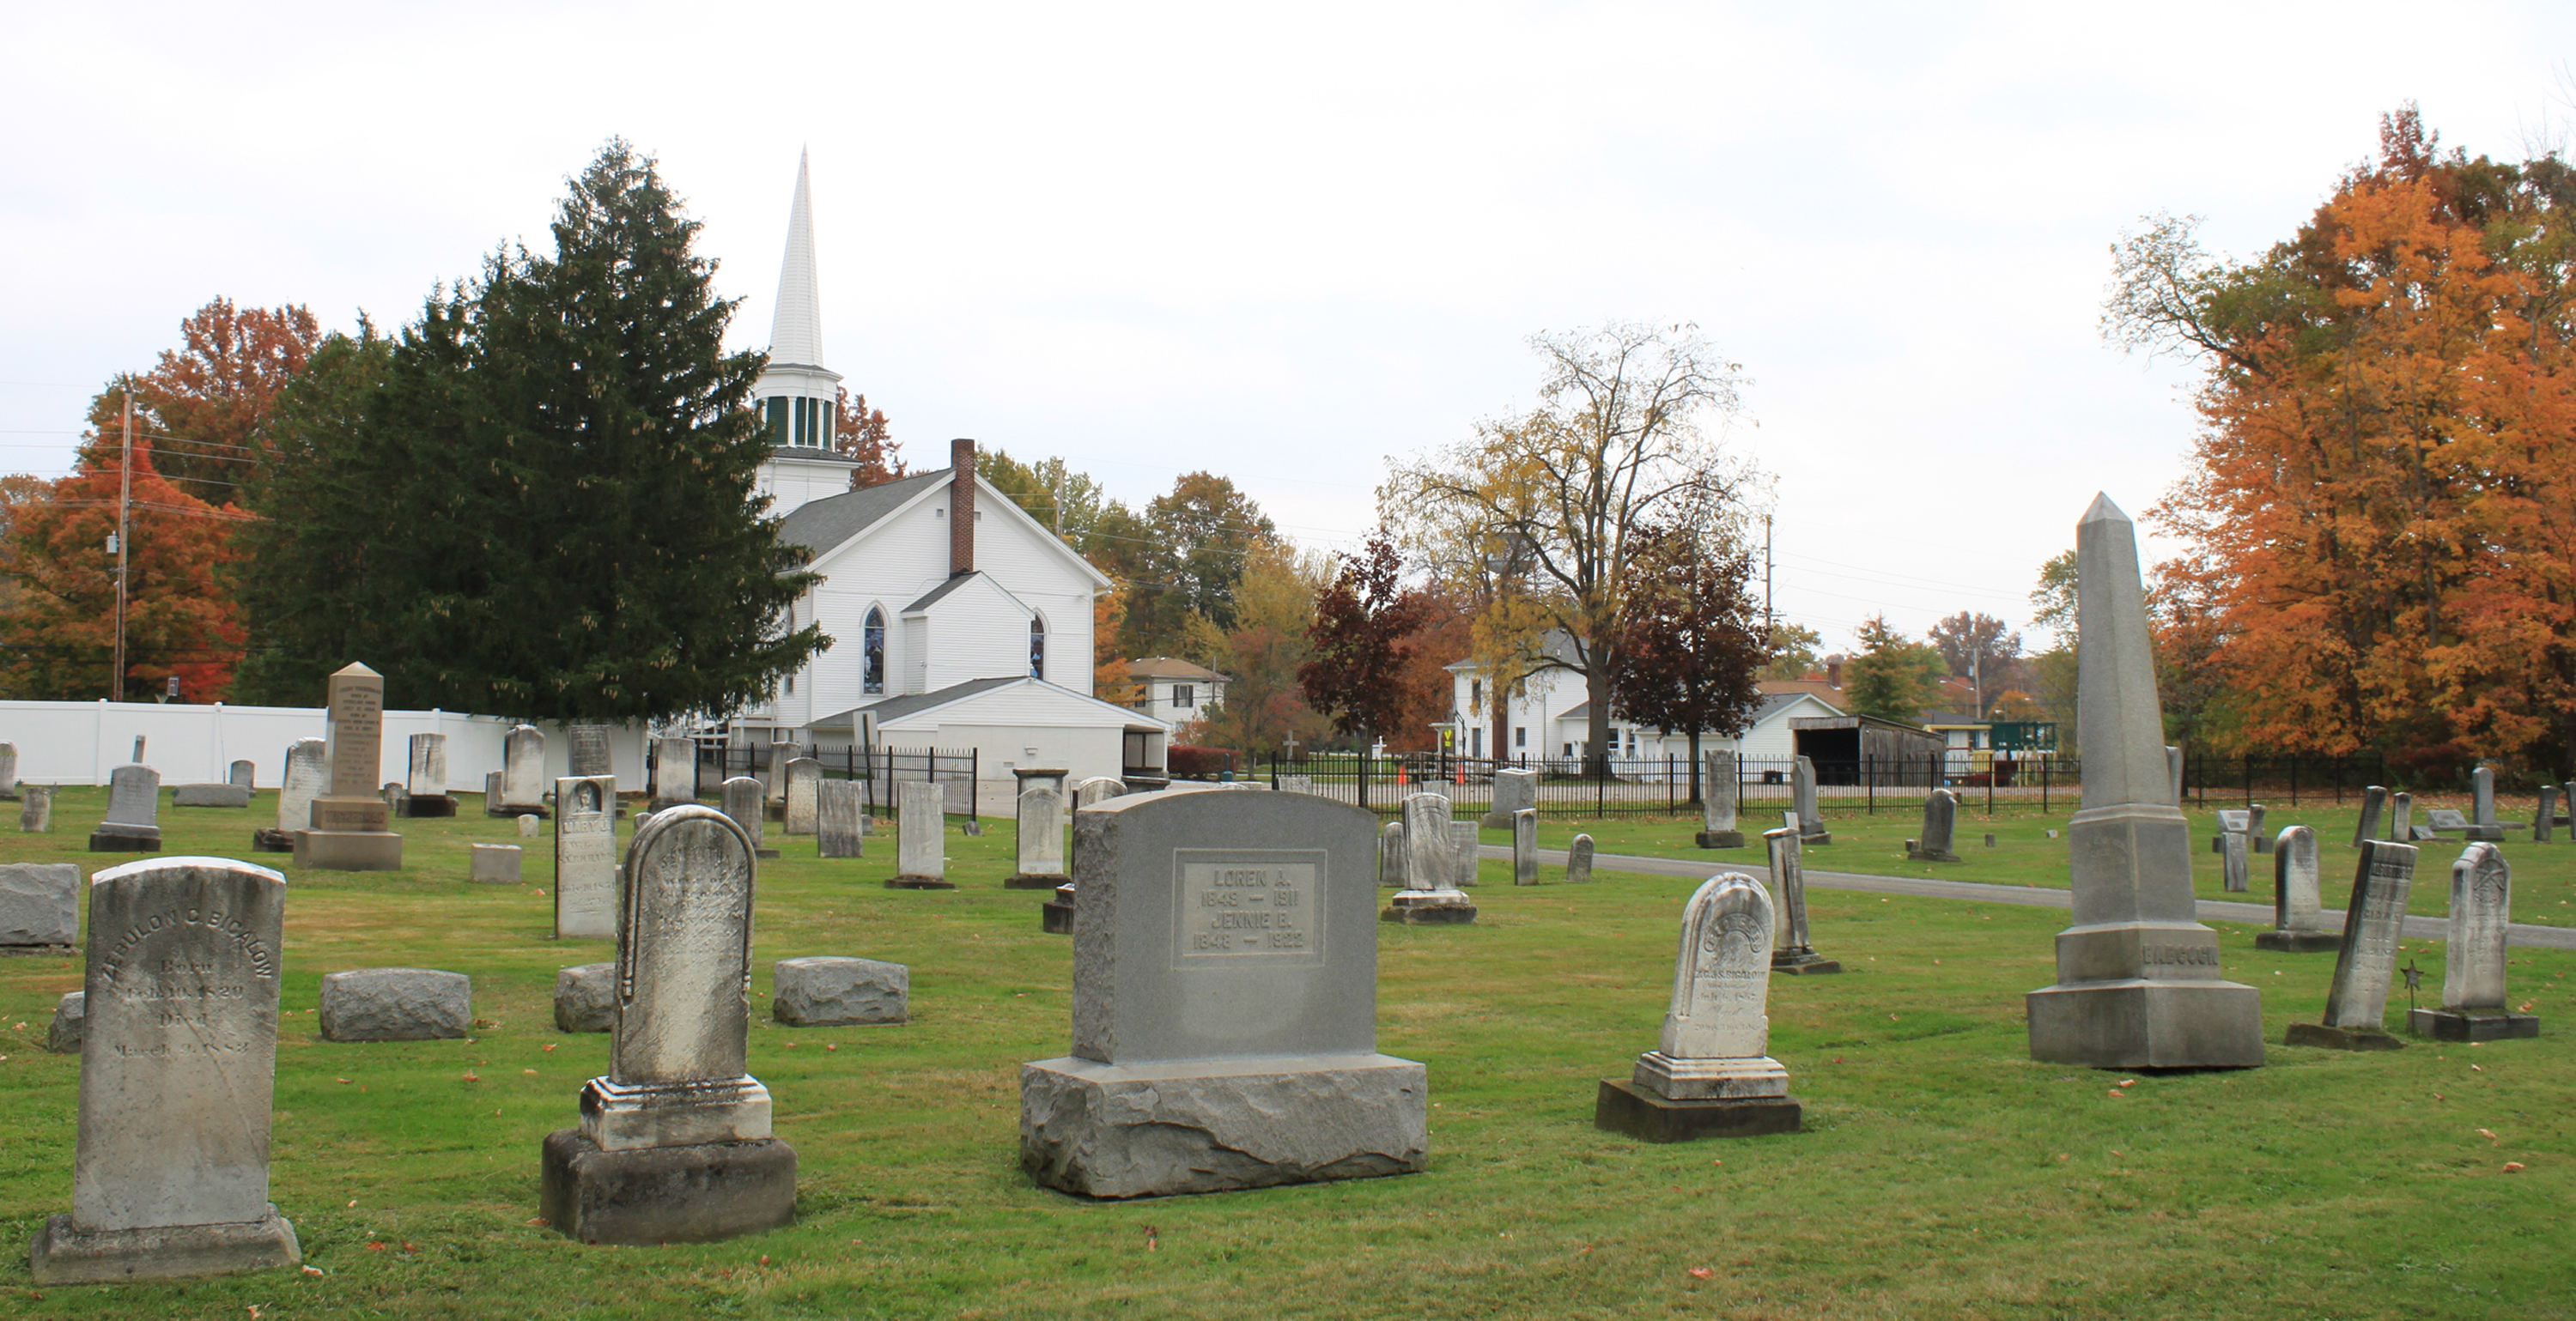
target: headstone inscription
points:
(1525, 846)
(347, 830)
(1466, 848)
(921, 840)
(675, 1144)
(523, 772)
(1430, 894)
(586, 857)
(2298, 924)
(2546, 815)
(243, 774)
(36, 814)
(1224, 1006)
(2366, 959)
(675, 771)
(2474, 1006)
(1578, 861)
(39, 906)
(1720, 782)
(1040, 842)
(133, 823)
(741, 796)
(2138, 982)
(425, 776)
(1793, 951)
(1515, 787)
(178, 1065)
(2401, 825)
(1711, 1075)
(804, 775)
(589, 753)
(1802, 789)
(1940, 829)
(838, 812)
(2374, 803)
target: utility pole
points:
(124, 536)
(1770, 622)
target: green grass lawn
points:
(1941, 1173)
(2544, 875)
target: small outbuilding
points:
(1842, 747)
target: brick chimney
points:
(1833, 674)
(961, 508)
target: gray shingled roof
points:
(820, 525)
(895, 708)
(935, 594)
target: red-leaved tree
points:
(1363, 636)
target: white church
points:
(957, 621)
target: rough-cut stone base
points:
(1034, 880)
(2494, 1025)
(62, 1254)
(348, 850)
(1622, 1108)
(1721, 839)
(2141, 1024)
(586, 998)
(123, 839)
(1055, 919)
(2339, 1038)
(694, 1194)
(1442, 915)
(920, 883)
(1803, 963)
(429, 805)
(1914, 854)
(396, 1004)
(271, 841)
(1211, 1126)
(1820, 837)
(2299, 942)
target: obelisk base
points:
(62, 1254)
(2136, 1023)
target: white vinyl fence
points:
(81, 742)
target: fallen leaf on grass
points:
(2116, 1093)
(829, 1046)
(2477, 1068)
(527, 1071)
(312, 1270)
(550, 1045)
(469, 1076)
(1701, 1272)
(2128, 1082)
(2491, 1138)
(2513, 1167)
(2526, 1008)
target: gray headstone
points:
(586, 857)
(2236, 855)
(2400, 824)
(138, 749)
(2374, 803)
(36, 813)
(530, 824)
(839, 820)
(1465, 845)
(586, 998)
(2256, 837)
(2546, 815)
(675, 771)
(1514, 788)
(2138, 982)
(1041, 829)
(835, 992)
(742, 803)
(209, 795)
(1390, 854)
(244, 773)
(1428, 844)
(396, 1004)
(589, 752)
(63, 1035)
(1717, 1034)
(352, 804)
(2481, 912)
(134, 798)
(2294, 881)
(425, 766)
(1719, 785)
(1578, 861)
(2482, 794)
(39, 903)
(307, 777)
(2446, 818)
(921, 840)
(1802, 782)
(1294, 784)
(1940, 826)
(8, 768)
(773, 770)
(804, 774)
(1097, 789)
(1788, 890)
(499, 864)
(1525, 846)
(523, 768)
(2373, 923)
(2173, 772)
(176, 1077)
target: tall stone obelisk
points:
(2138, 985)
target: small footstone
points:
(835, 992)
(497, 864)
(210, 795)
(396, 1004)
(2447, 1025)
(63, 1036)
(2336, 1038)
(586, 998)
(1621, 1108)
(528, 826)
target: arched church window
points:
(1037, 648)
(872, 653)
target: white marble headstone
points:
(586, 857)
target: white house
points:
(1549, 718)
(1175, 689)
(957, 621)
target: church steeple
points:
(796, 334)
(797, 395)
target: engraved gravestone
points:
(1430, 894)
(1802, 789)
(425, 778)
(2374, 802)
(2474, 1006)
(773, 770)
(589, 753)
(921, 841)
(1719, 785)
(2482, 803)
(2255, 839)
(1390, 854)
(1040, 841)
(347, 827)
(2138, 983)
(837, 816)
(1515, 787)
(2298, 923)
(178, 1064)
(1578, 861)
(2401, 824)
(803, 775)
(675, 1143)
(36, 814)
(243, 775)
(1224, 1005)
(1940, 829)
(675, 771)
(1525, 846)
(2357, 1000)
(1711, 1073)
(1465, 847)
(2232, 847)
(523, 771)
(8, 770)
(741, 796)
(2546, 815)
(133, 823)
(1793, 951)
(586, 857)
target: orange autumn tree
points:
(58, 625)
(2382, 504)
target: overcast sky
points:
(1284, 244)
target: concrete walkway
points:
(1925, 887)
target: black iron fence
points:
(876, 768)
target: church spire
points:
(796, 336)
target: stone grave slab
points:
(396, 1004)
(2298, 925)
(587, 753)
(1792, 951)
(742, 802)
(497, 864)
(1578, 861)
(1525, 846)
(425, 778)
(586, 997)
(921, 839)
(1711, 1074)
(675, 771)
(63, 1034)
(133, 823)
(1721, 782)
(1040, 840)
(840, 820)
(39, 906)
(36, 813)
(347, 831)
(2366, 959)
(804, 777)
(523, 773)
(210, 795)
(2474, 1004)
(1515, 787)
(585, 890)
(1940, 829)
(827, 991)
(1430, 895)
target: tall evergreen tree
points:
(544, 505)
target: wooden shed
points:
(1842, 747)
